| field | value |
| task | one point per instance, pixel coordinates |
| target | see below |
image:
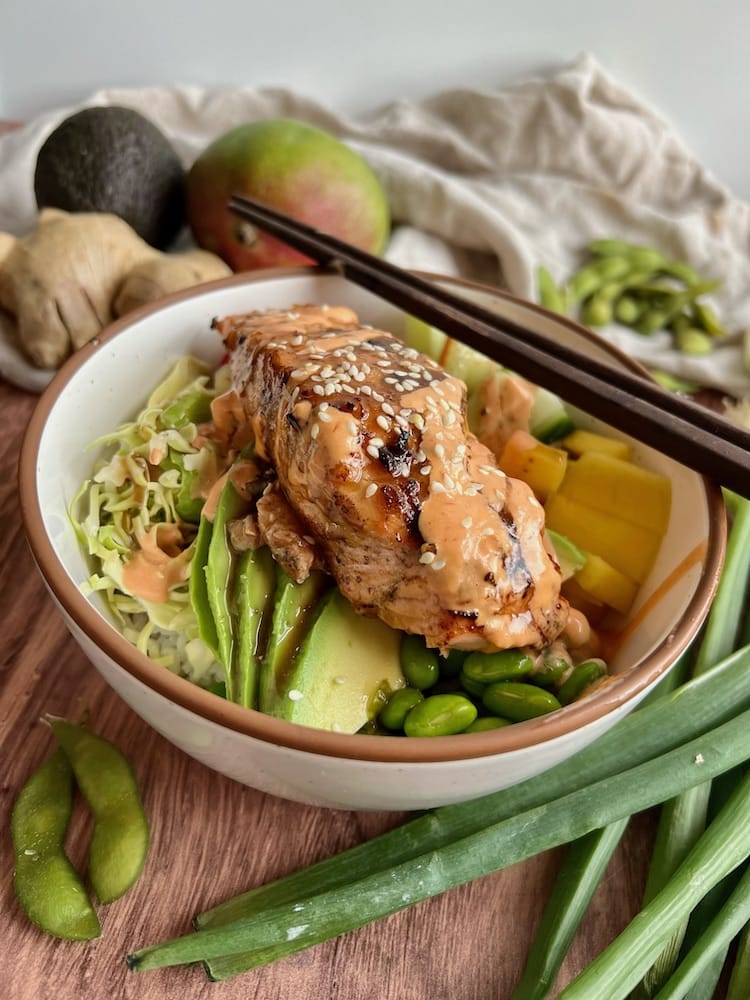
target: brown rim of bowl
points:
(392, 749)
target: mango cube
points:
(604, 583)
(630, 548)
(620, 488)
(580, 441)
(539, 465)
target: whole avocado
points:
(113, 159)
(294, 167)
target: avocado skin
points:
(113, 159)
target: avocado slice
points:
(346, 667)
(569, 557)
(220, 566)
(198, 588)
(255, 586)
(294, 604)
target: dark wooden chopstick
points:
(672, 424)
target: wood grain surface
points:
(212, 838)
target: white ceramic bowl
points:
(107, 381)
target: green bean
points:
(46, 883)
(505, 665)
(440, 715)
(120, 839)
(519, 702)
(398, 706)
(419, 665)
(582, 676)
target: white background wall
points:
(690, 59)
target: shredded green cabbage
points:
(135, 486)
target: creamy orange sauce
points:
(160, 563)
(507, 401)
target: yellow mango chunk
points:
(630, 548)
(580, 441)
(617, 487)
(603, 582)
(539, 465)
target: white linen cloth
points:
(485, 184)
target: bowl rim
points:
(267, 729)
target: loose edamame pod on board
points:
(46, 883)
(120, 839)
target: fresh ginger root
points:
(69, 277)
(165, 273)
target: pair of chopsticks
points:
(689, 433)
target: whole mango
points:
(293, 167)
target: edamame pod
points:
(518, 702)
(581, 677)
(550, 295)
(504, 665)
(705, 317)
(691, 340)
(120, 839)
(46, 883)
(593, 276)
(440, 715)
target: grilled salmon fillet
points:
(407, 510)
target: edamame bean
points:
(549, 670)
(505, 665)
(46, 883)
(581, 677)
(486, 723)
(692, 341)
(398, 706)
(440, 715)
(450, 665)
(420, 665)
(120, 839)
(472, 687)
(518, 702)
